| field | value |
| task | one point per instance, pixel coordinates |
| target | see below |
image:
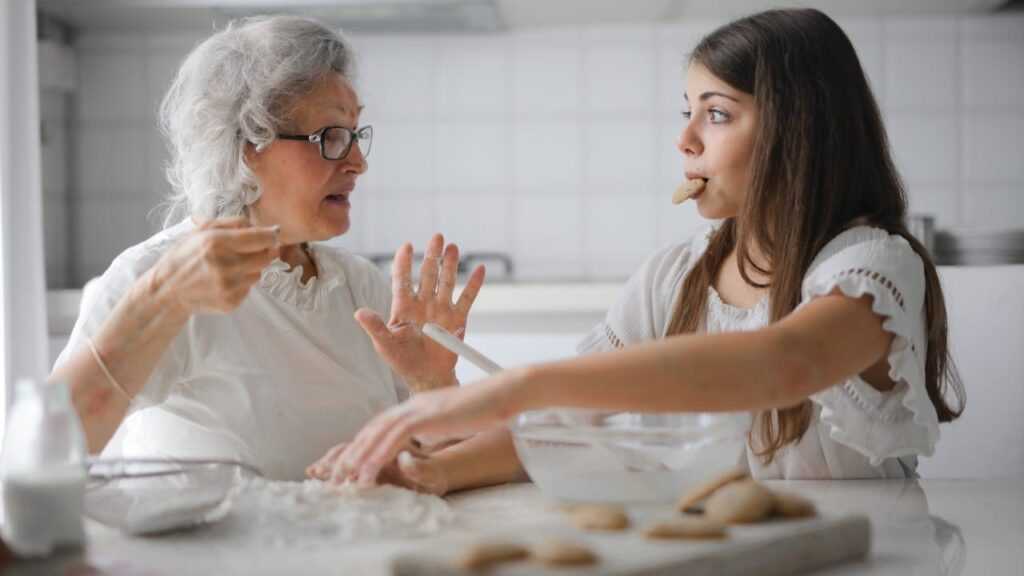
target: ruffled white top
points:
(856, 431)
(275, 383)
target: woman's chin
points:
(332, 228)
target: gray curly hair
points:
(234, 88)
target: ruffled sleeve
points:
(642, 311)
(102, 294)
(902, 421)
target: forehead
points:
(700, 79)
(334, 94)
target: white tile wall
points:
(557, 145)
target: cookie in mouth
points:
(688, 189)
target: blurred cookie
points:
(483, 555)
(742, 502)
(790, 505)
(604, 517)
(562, 553)
(699, 493)
(689, 528)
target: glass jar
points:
(43, 470)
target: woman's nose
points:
(355, 162)
(689, 143)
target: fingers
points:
(320, 468)
(254, 262)
(449, 273)
(421, 475)
(469, 293)
(251, 239)
(429, 269)
(375, 445)
(401, 272)
(373, 325)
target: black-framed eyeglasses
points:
(336, 141)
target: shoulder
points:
(670, 263)
(869, 256)
(133, 262)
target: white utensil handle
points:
(446, 339)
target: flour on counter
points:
(311, 513)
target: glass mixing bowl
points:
(596, 456)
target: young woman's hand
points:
(213, 268)
(422, 362)
(413, 468)
(437, 414)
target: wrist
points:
(524, 390)
(425, 384)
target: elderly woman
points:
(230, 334)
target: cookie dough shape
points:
(702, 491)
(687, 528)
(790, 505)
(743, 502)
(556, 552)
(600, 517)
(484, 555)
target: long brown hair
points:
(821, 164)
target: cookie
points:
(742, 502)
(483, 555)
(562, 553)
(688, 189)
(793, 506)
(604, 517)
(699, 493)
(689, 528)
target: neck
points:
(296, 255)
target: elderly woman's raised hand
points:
(421, 361)
(213, 268)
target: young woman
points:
(809, 304)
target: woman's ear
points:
(251, 156)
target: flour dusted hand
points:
(213, 268)
(413, 469)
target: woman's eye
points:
(717, 116)
(686, 114)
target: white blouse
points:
(275, 383)
(856, 431)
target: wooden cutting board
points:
(774, 548)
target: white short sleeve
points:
(902, 421)
(102, 294)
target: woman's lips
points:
(337, 199)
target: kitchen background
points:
(542, 131)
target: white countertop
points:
(918, 527)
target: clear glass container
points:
(43, 470)
(595, 456)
